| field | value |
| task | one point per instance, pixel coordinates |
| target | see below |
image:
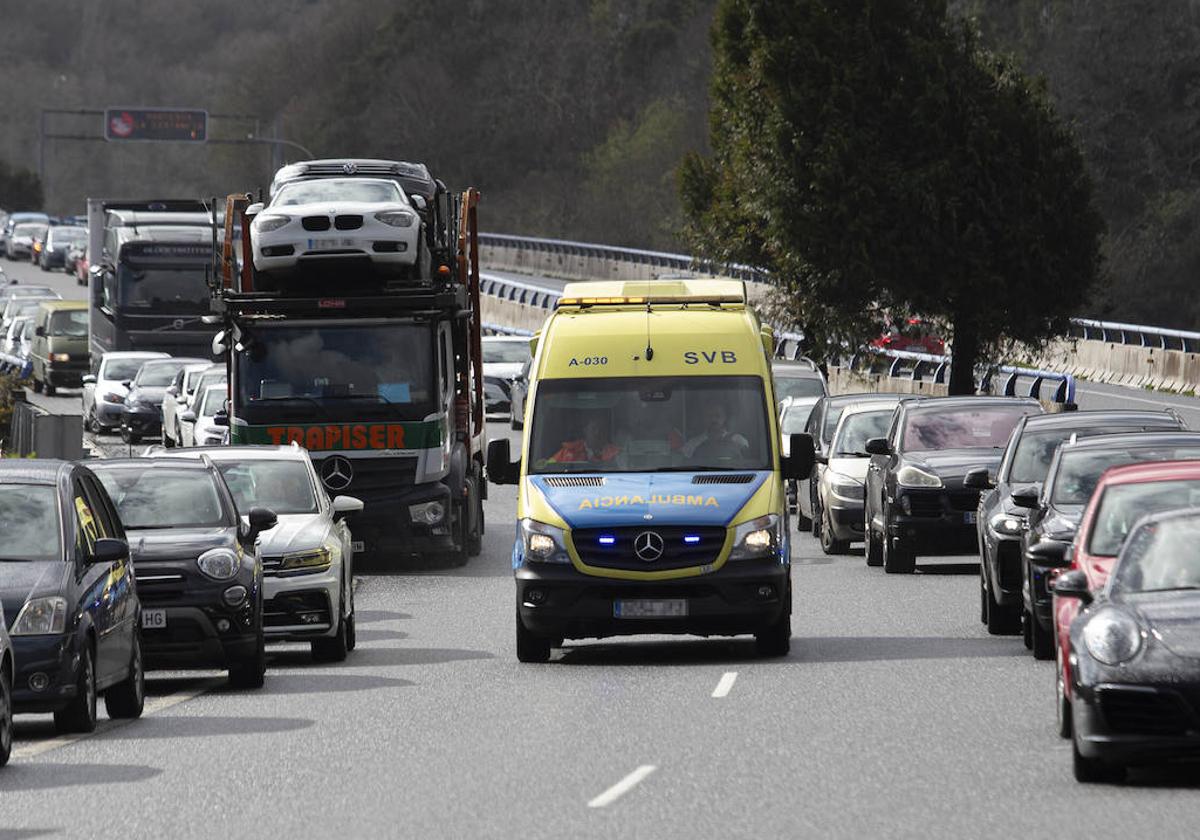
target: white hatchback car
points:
(104, 392)
(176, 399)
(197, 426)
(308, 557)
(334, 219)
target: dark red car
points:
(1122, 496)
(913, 336)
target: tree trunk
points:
(965, 354)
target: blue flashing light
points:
(605, 539)
(691, 539)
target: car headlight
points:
(396, 218)
(1007, 524)
(911, 476)
(41, 617)
(60, 357)
(112, 397)
(759, 537)
(847, 488)
(219, 563)
(316, 560)
(213, 440)
(543, 543)
(1112, 636)
(266, 224)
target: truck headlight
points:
(316, 560)
(396, 218)
(911, 476)
(1007, 524)
(846, 488)
(543, 543)
(757, 538)
(41, 617)
(430, 513)
(219, 563)
(266, 224)
(1112, 636)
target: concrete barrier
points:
(846, 381)
(1124, 364)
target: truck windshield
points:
(336, 373)
(177, 289)
(641, 424)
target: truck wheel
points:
(252, 672)
(474, 526)
(898, 557)
(530, 647)
(127, 698)
(80, 714)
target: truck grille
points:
(376, 475)
(616, 548)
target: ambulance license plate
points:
(969, 518)
(651, 608)
(154, 619)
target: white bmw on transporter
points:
(308, 557)
(336, 219)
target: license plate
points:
(154, 619)
(969, 517)
(358, 545)
(651, 608)
(328, 243)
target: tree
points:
(20, 189)
(878, 160)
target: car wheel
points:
(874, 550)
(898, 556)
(333, 648)
(1041, 640)
(830, 544)
(93, 423)
(1027, 629)
(50, 389)
(80, 714)
(127, 698)
(6, 718)
(251, 672)
(984, 597)
(1094, 770)
(530, 646)
(1001, 619)
(351, 625)
(1062, 705)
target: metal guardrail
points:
(539, 297)
(500, 329)
(1138, 335)
(924, 363)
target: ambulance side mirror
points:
(802, 455)
(500, 467)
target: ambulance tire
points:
(776, 639)
(531, 647)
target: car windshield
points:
(69, 324)
(1035, 450)
(339, 189)
(636, 424)
(1124, 504)
(29, 524)
(795, 418)
(1160, 557)
(67, 236)
(281, 486)
(30, 230)
(514, 352)
(1079, 472)
(859, 427)
(157, 374)
(120, 370)
(43, 292)
(214, 401)
(169, 290)
(798, 386)
(962, 428)
(162, 497)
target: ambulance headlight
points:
(543, 543)
(757, 538)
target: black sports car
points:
(1135, 652)
(916, 502)
(197, 566)
(1001, 522)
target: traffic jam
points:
(666, 463)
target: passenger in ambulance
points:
(595, 446)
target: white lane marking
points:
(1111, 395)
(726, 683)
(157, 704)
(622, 787)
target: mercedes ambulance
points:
(651, 479)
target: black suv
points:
(198, 571)
(69, 596)
(915, 498)
(1001, 521)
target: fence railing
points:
(1136, 334)
(917, 366)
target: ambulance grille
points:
(722, 478)
(575, 481)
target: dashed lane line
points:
(622, 787)
(725, 685)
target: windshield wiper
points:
(377, 397)
(313, 401)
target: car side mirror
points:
(187, 416)
(418, 201)
(878, 446)
(1052, 553)
(173, 391)
(343, 506)
(89, 379)
(108, 551)
(500, 467)
(40, 331)
(221, 418)
(1073, 584)
(978, 479)
(254, 209)
(261, 519)
(1027, 497)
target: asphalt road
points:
(894, 716)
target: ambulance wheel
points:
(776, 639)
(531, 647)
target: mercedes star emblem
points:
(337, 473)
(648, 546)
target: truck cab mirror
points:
(978, 479)
(878, 446)
(1073, 584)
(500, 467)
(801, 457)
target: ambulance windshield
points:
(646, 425)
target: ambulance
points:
(651, 478)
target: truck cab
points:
(651, 478)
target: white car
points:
(335, 219)
(503, 358)
(197, 426)
(308, 557)
(6, 695)
(176, 400)
(104, 391)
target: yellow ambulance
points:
(651, 479)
